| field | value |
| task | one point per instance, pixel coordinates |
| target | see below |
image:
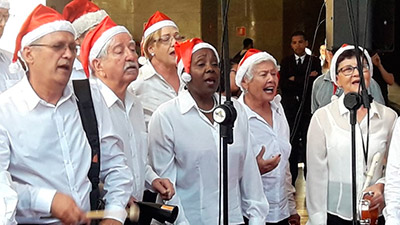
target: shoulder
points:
(387, 113)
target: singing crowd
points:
(154, 128)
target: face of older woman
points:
(264, 85)
(348, 77)
(163, 47)
(205, 73)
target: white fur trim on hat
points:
(157, 26)
(248, 62)
(4, 4)
(87, 21)
(205, 45)
(47, 28)
(103, 39)
(339, 52)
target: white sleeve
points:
(392, 186)
(254, 203)
(114, 171)
(290, 191)
(317, 174)
(162, 156)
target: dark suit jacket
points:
(292, 91)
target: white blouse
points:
(128, 120)
(329, 157)
(392, 186)
(184, 146)
(8, 79)
(152, 89)
(278, 186)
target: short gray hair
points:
(249, 73)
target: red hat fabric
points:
(83, 14)
(42, 20)
(184, 51)
(157, 21)
(96, 39)
(252, 55)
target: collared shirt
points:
(184, 146)
(44, 148)
(275, 139)
(8, 200)
(8, 79)
(77, 71)
(322, 91)
(329, 157)
(131, 130)
(300, 57)
(152, 89)
(392, 192)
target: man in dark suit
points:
(294, 78)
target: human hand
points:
(164, 187)
(294, 219)
(64, 208)
(376, 60)
(267, 165)
(314, 74)
(377, 199)
(292, 78)
(110, 222)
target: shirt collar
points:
(301, 57)
(32, 99)
(148, 70)
(77, 65)
(186, 101)
(327, 76)
(274, 106)
(343, 110)
(108, 95)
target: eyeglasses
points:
(349, 70)
(62, 47)
(166, 39)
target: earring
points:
(152, 53)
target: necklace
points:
(212, 109)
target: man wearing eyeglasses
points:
(7, 78)
(42, 141)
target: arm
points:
(162, 156)
(392, 187)
(317, 175)
(388, 77)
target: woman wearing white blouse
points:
(329, 195)
(184, 146)
(257, 76)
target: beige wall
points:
(201, 18)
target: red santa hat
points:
(83, 14)
(252, 55)
(335, 57)
(96, 39)
(4, 4)
(43, 20)
(157, 21)
(184, 51)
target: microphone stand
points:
(225, 114)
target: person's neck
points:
(119, 89)
(50, 93)
(163, 69)
(302, 55)
(256, 105)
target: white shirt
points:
(329, 157)
(131, 130)
(77, 71)
(277, 183)
(184, 146)
(392, 186)
(8, 79)
(8, 200)
(44, 148)
(152, 89)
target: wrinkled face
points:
(50, 58)
(299, 45)
(264, 85)
(120, 65)
(205, 73)
(163, 46)
(348, 77)
(3, 19)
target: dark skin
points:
(205, 79)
